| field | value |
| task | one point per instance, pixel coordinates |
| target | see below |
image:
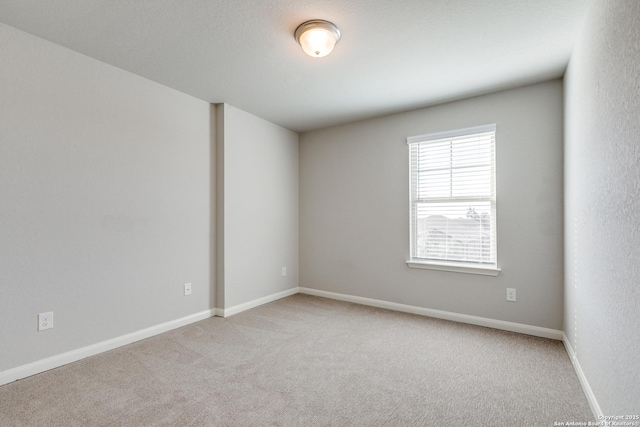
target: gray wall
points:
(354, 226)
(105, 200)
(602, 185)
(258, 205)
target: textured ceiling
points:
(393, 56)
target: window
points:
(453, 201)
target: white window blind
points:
(453, 197)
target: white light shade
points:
(317, 37)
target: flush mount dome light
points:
(317, 37)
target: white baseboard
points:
(226, 312)
(588, 392)
(447, 315)
(91, 350)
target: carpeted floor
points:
(309, 361)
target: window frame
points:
(488, 269)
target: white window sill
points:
(455, 267)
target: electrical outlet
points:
(45, 321)
(187, 288)
(284, 271)
(511, 294)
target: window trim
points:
(454, 267)
(444, 265)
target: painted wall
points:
(602, 185)
(258, 205)
(105, 200)
(354, 208)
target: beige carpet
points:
(309, 361)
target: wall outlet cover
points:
(45, 321)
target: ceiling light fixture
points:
(317, 37)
